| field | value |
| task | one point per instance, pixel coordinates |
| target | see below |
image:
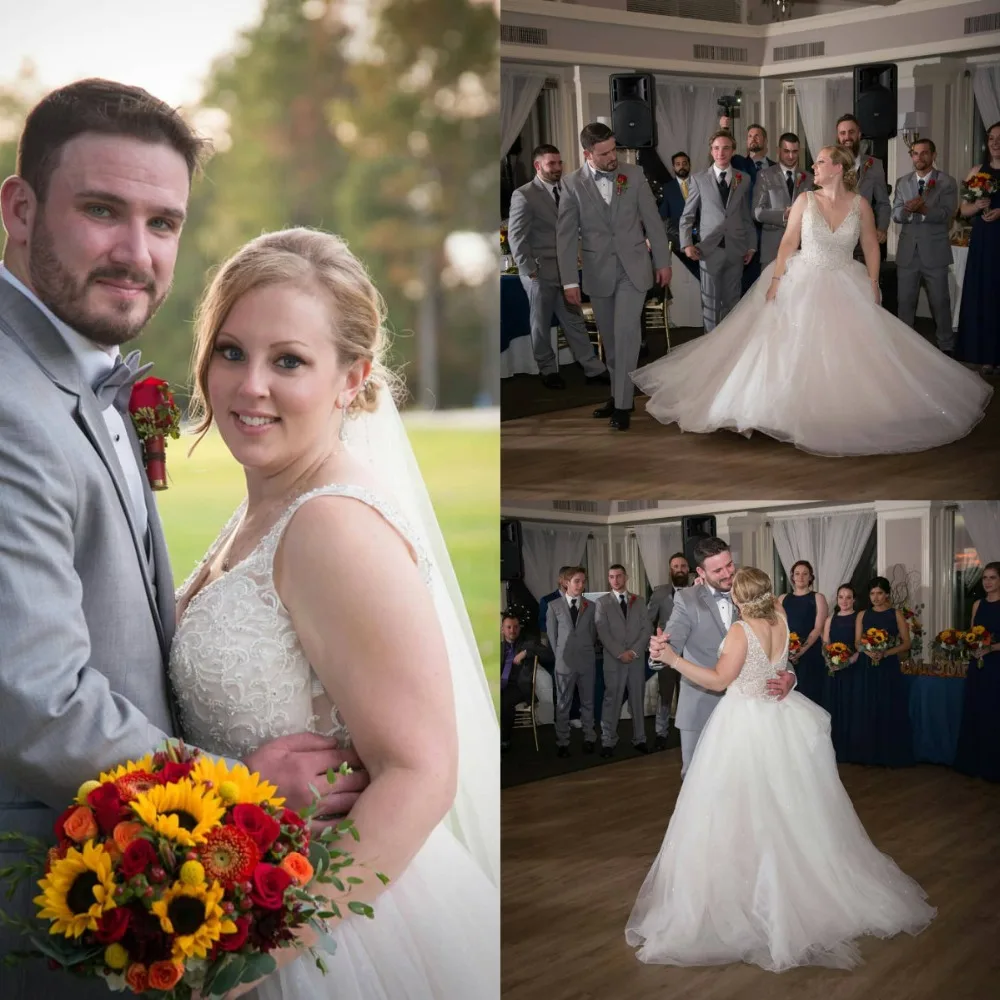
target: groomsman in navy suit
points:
(675, 193)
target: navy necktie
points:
(555, 194)
(114, 387)
(920, 187)
(723, 187)
(789, 183)
(574, 611)
(624, 605)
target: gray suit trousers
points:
(619, 318)
(618, 676)
(689, 743)
(583, 682)
(544, 298)
(938, 292)
(720, 290)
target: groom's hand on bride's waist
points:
(295, 762)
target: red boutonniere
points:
(802, 178)
(868, 163)
(737, 177)
(621, 182)
(584, 604)
(930, 184)
(155, 416)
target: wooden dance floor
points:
(576, 849)
(568, 454)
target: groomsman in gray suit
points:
(659, 609)
(531, 230)
(924, 204)
(572, 636)
(623, 628)
(774, 193)
(727, 238)
(870, 172)
(701, 618)
(607, 213)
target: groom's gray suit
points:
(86, 617)
(616, 267)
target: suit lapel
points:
(590, 186)
(712, 606)
(543, 193)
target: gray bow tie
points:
(114, 387)
(607, 175)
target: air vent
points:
(631, 506)
(575, 506)
(720, 53)
(515, 35)
(704, 10)
(984, 22)
(782, 52)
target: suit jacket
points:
(671, 209)
(923, 239)
(873, 188)
(618, 632)
(606, 234)
(520, 675)
(85, 625)
(531, 232)
(770, 199)
(717, 221)
(572, 645)
(749, 166)
(660, 605)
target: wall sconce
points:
(913, 122)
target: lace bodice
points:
(824, 248)
(757, 669)
(239, 673)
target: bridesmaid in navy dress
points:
(979, 738)
(884, 735)
(979, 319)
(807, 612)
(845, 690)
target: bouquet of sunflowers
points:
(876, 640)
(975, 639)
(178, 873)
(837, 655)
(979, 185)
(948, 644)
(794, 644)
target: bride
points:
(328, 603)
(765, 860)
(809, 356)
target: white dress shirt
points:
(94, 361)
(725, 603)
(729, 172)
(604, 184)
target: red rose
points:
(107, 806)
(262, 829)
(173, 771)
(623, 179)
(138, 856)
(113, 925)
(236, 940)
(269, 885)
(149, 392)
(60, 824)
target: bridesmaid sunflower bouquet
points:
(177, 874)
(794, 644)
(979, 185)
(976, 639)
(837, 655)
(876, 640)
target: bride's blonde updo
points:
(843, 156)
(753, 592)
(316, 262)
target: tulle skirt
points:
(822, 366)
(435, 936)
(765, 860)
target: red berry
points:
(157, 874)
(228, 907)
(245, 904)
(148, 894)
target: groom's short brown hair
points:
(705, 548)
(107, 108)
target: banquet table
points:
(516, 357)
(936, 717)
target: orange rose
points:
(165, 975)
(298, 867)
(125, 833)
(137, 978)
(80, 825)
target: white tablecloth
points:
(518, 359)
(956, 275)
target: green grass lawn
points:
(462, 470)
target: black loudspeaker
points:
(875, 100)
(511, 564)
(693, 529)
(632, 117)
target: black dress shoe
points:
(562, 752)
(607, 751)
(553, 381)
(605, 411)
(641, 748)
(588, 746)
(661, 743)
(603, 379)
(620, 420)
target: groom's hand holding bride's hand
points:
(660, 648)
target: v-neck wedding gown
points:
(242, 678)
(823, 366)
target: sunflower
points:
(237, 785)
(194, 915)
(228, 855)
(143, 764)
(179, 811)
(77, 891)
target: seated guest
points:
(675, 193)
(517, 655)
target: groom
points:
(93, 218)
(701, 618)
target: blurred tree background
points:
(375, 119)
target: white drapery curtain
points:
(519, 89)
(686, 115)
(545, 550)
(833, 543)
(821, 101)
(657, 543)
(982, 521)
(597, 564)
(986, 87)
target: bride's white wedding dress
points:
(765, 859)
(241, 678)
(822, 366)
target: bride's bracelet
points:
(776, 277)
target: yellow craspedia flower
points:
(194, 915)
(180, 811)
(77, 891)
(85, 789)
(192, 873)
(237, 785)
(143, 764)
(115, 956)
